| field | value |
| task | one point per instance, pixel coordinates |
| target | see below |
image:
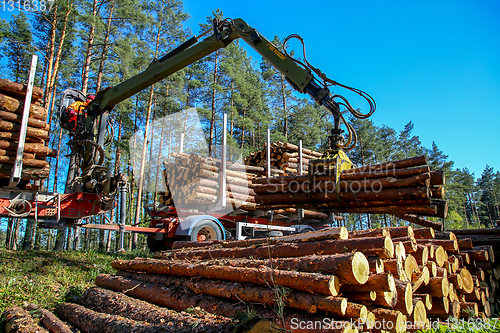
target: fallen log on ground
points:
(49, 320)
(18, 320)
(113, 303)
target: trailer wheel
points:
(206, 230)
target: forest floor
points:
(48, 278)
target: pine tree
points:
(16, 47)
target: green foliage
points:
(48, 278)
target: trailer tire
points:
(206, 230)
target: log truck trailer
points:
(90, 187)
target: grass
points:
(466, 325)
(48, 278)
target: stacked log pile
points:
(194, 180)
(399, 187)
(284, 156)
(363, 278)
(35, 166)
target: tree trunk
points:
(16, 319)
(28, 235)
(213, 97)
(89, 51)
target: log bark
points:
(421, 233)
(13, 117)
(440, 306)
(307, 282)
(15, 105)
(38, 133)
(329, 233)
(421, 221)
(30, 163)
(35, 148)
(248, 293)
(87, 321)
(27, 173)
(397, 319)
(404, 297)
(49, 320)
(378, 282)
(114, 303)
(400, 164)
(379, 232)
(381, 246)
(437, 287)
(15, 136)
(17, 319)
(19, 89)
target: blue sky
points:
(435, 63)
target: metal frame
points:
(240, 225)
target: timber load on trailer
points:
(12, 101)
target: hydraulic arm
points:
(301, 75)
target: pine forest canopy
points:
(93, 44)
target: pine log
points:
(338, 199)
(396, 319)
(410, 266)
(400, 251)
(409, 243)
(49, 320)
(361, 297)
(446, 235)
(19, 89)
(356, 311)
(16, 105)
(379, 282)
(404, 297)
(30, 163)
(247, 293)
(438, 177)
(468, 283)
(307, 282)
(425, 298)
(376, 264)
(176, 299)
(395, 267)
(35, 148)
(419, 315)
(468, 309)
(465, 244)
(423, 210)
(440, 256)
(478, 255)
(442, 208)
(6, 126)
(14, 153)
(455, 309)
(421, 221)
(440, 307)
(421, 255)
(113, 303)
(421, 233)
(27, 173)
(437, 287)
(87, 321)
(17, 319)
(369, 233)
(323, 234)
(437, 192)
(448, 245)
(386, 299)
(17, 118)
(381, 246)
(432, 266)
(15, 136)
(400, 164)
